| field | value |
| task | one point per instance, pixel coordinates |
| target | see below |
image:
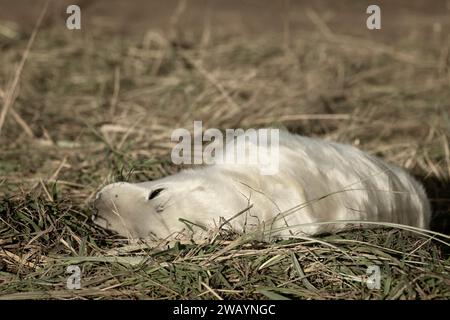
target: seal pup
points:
(319, 186)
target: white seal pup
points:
(317, 181)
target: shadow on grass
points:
(438, 192)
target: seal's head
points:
(131, 210)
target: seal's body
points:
(317, 181)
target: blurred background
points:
(138, 70)
(233, 16)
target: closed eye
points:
(155, 193)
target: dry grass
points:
(94, 108)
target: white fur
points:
(318, 181)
